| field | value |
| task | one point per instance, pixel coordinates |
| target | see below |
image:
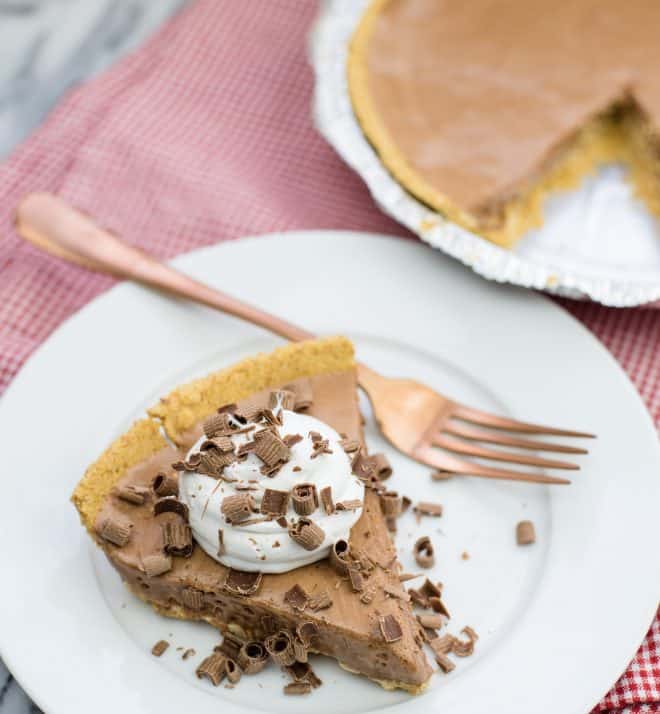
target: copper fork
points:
(418, 421)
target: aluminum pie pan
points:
(598, 242)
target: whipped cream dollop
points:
(266, 546)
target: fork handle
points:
(50, 223)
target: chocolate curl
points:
(136, 495)
(381, 466)
(297, 688)
(270, 448)
(339, 557)
(282, 399)
(252, 657)
(390, 503)
(221, 443)
(177, 539)
(390, 628)
(304, 499)
(274, 503)
(116, 530)
(299, 650)
(233, 671)
(237, 508)
(213, 461)
(525, 534)
(160, 647)
(350, 446)
(171, 505)
(165, 484)
(280, 647)
(218, 425)
(327, 501)
(307, 534)
(250, 409)
(213, 668)
(423, 552)
(156, 564)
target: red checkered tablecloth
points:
(204, 135)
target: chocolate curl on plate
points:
(165, 484)
(213, 668)
(252, 657)
(233, 671)
(381, 465)
(390, 503)
(327, 501)
(177, 539)
(171, 505)
(280, 647)
(464, 648)
(423, 552)
(136, 495)
(116, 530)
(307, 533)
(237, 508)
(282, 399)
(304, 499)
(339, 559)
(156, 564)
(525, 533)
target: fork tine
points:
(446, 462)
(471, 449)
(497, 422)
(469, 432)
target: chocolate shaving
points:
(304, 498)
(237, 508)
(368, 595)
(363, 467)
(233, 671)
(250, 409)
(303, 672)
(230, 646)
(404, 577)
(213, 461)
(242, 583)
(274, 503)
(350, 446)
(442, 645)
(361, 559)
(302, 388)
(219, 424)
(297, 688)
(192, 598)
(252, 657)
(315, 436)
(299, 650)
(381, 466)
(270, 448)
(424, 508)
(307, 631)
(326, 500)
(396, 591)
(136, 495)
(159, 648)
(307, 534)
(171, 505)
(441, 475)
(357, 581)
(268, 623)
(405, 503)
(280, 647)
(390, 522)
(156, 564)
(322, 601)
(445, 664)
(213, 667)
(190, 652)
(292, 439)
(296, 598)
(339, 557)
(390, 503)
(351, 505)
(282, 522)
(322, 446)
(434, 622)
(470, 633)
(282, 399)
(116, 529)
(177, 539)
(165, 484)
(223, 444)
(390, 628)
(423, 552)
(437, 605)
(525, 533)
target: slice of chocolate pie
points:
(259, 511)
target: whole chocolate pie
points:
(247, 499)
(482, 108)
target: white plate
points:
(597, 242)
(570, 610)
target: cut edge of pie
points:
(176, 414)
(620, 133)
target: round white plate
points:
(597, 241)
(568, 612)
